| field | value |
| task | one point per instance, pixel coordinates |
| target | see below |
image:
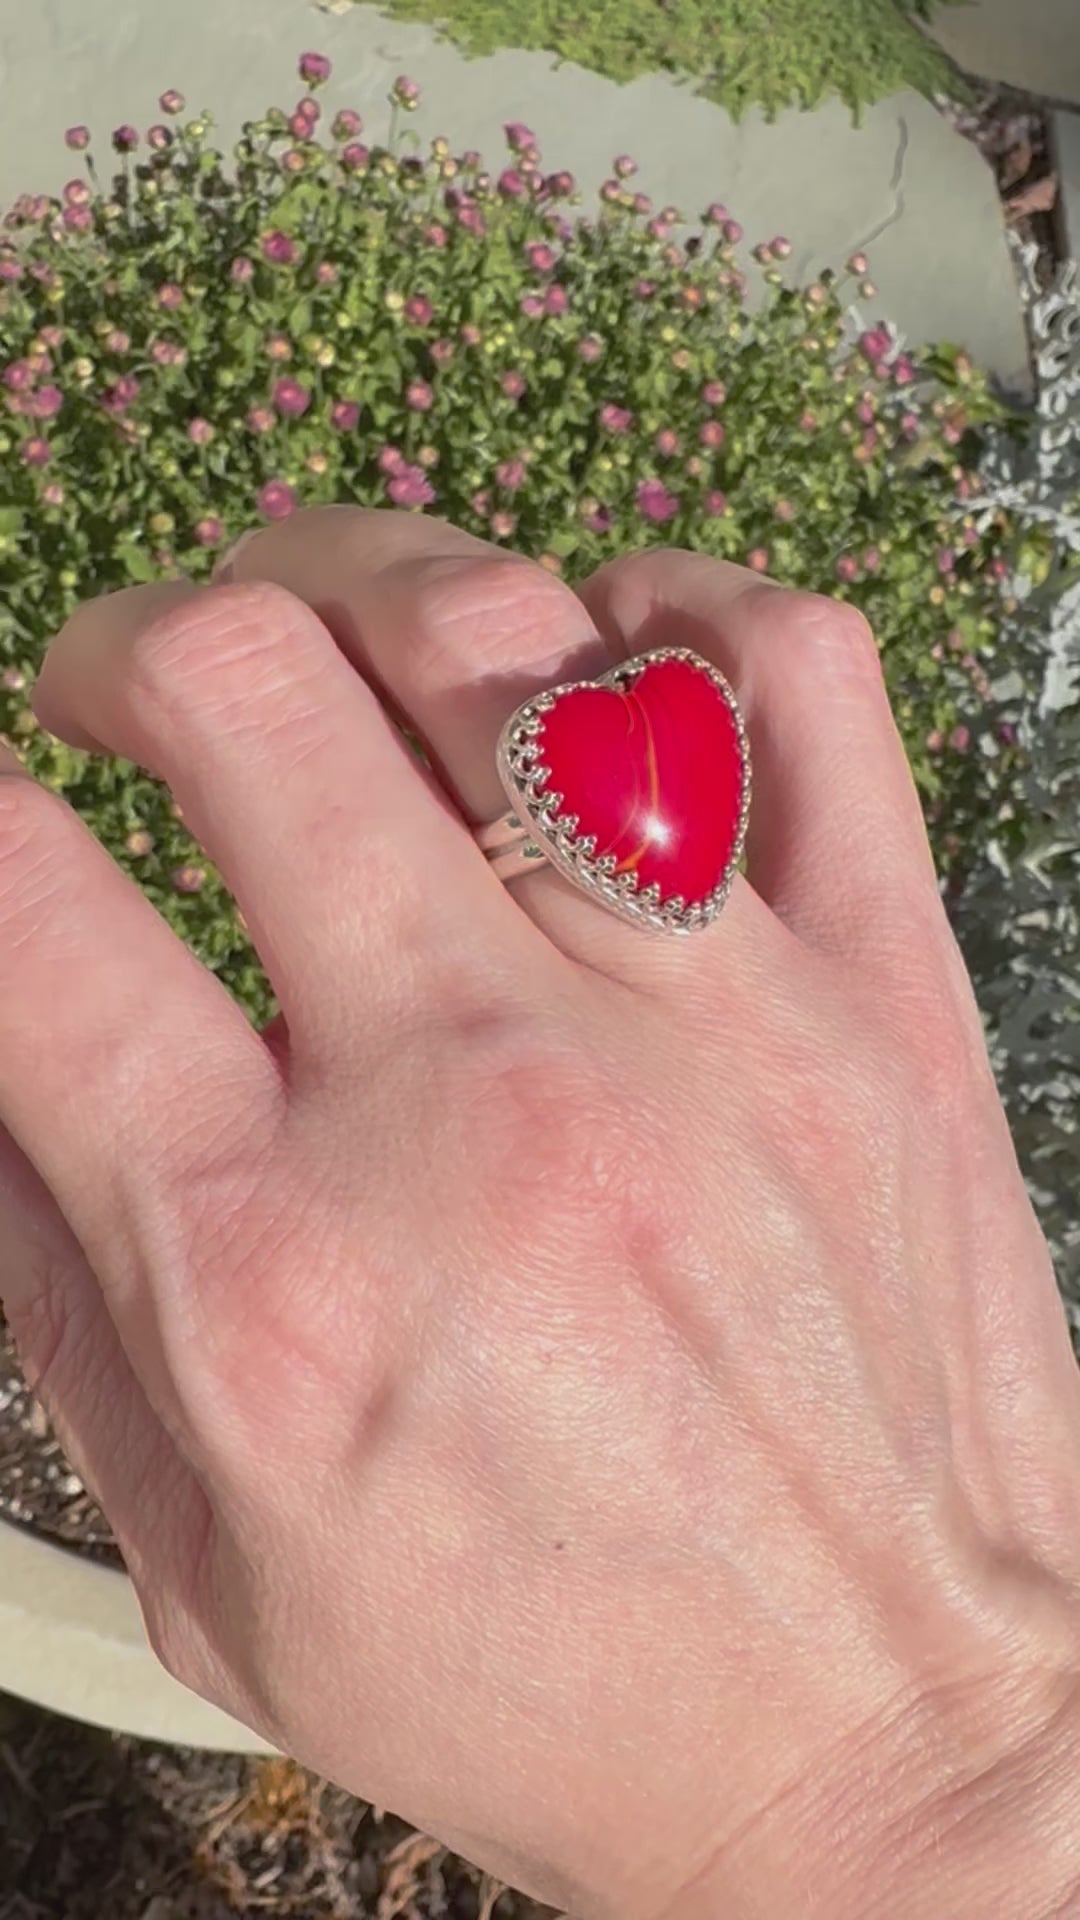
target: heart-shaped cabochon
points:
(636, 786)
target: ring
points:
(635, 787)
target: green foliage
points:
(195, 346)
(740, 53)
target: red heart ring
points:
(635, 786)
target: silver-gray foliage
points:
(1018, 918)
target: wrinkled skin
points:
(603, 1397)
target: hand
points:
(603, 1397)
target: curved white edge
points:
(72, 1638)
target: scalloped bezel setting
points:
(564, 840)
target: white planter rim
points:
(72, 1639)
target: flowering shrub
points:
(192, 347)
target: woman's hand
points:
(603, 1397)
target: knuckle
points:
(836, 631)
(33, 848)
(235, 645)
(494, 613)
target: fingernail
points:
(225, 568)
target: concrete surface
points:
(1034, 44)
(906, 187)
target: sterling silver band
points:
(510, 849)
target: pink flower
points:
(200, 432)
(871, 560)
(76, 193)
(511, 184)
(858, 264)
(946, 559)
(419, 310)
(260, 419)
(655, 502)
(278, 348)
(170, 296)
(960, 739)
(117, 341)
(293, 161)
(590, 348)
(713, 434)
(37, 452)
(188, 879)
(242, 269)
(326, 274)
(419, 397)
(758, 560)
(503, 524)
(667, 442)
(300, 126)
(120, 394)
(715, 503)
(171, 101)
(847, 568)
(1007, 733)
(290, 398)
(405, 93)
(556, 300)
(716, 214)
(615, 419)
(77, 219)
(511, 475)
(159, 138)
(209, 532)
(125, 139)
(410, 487)
(442, 352)
(532, 306)
(471, 335)
(518, 136)
(53, 494)
(599, 519)
(513, 385)
(624, 166)
(435, 235)
(276, 500)
(391, 460)
(279, 248)
(560, 186)
(77, 138)
(46, 403)
(780, 248)
(874, 344)
(344, 415)
(346, 124)
(541, 257)
(644, 289)
(714, 393)
(909, 426)
(903, 370)
(10, 269)
(19, 376)
(165, 353)
(354, 157)
(732, 232)
(784, 511)
(314, 68)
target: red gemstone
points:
(655, 771)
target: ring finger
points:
(455, 634)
